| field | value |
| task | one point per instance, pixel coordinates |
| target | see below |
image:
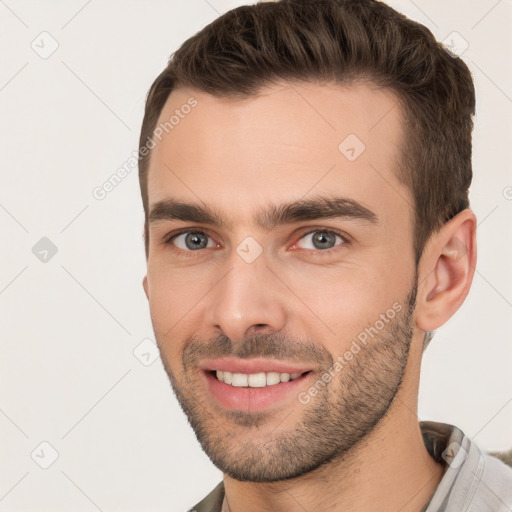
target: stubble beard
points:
(336, 419)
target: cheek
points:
(346, 300)
(174, 295)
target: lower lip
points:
(252, 399)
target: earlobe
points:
(145, 286)
(448, 266)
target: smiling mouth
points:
(255, 380)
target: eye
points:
(320, 240)
(192, 241)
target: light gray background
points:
(69, 326)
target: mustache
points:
(269, 346)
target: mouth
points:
(253, 385)
(255, 380)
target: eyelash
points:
(319, 252)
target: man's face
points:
(276, 252)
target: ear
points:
(446, 271)
(145, 286)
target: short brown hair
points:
(339, 41)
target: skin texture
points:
(356, 445)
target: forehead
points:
(289, 141)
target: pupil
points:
(323, 240)
(196, 241)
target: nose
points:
(247, 301)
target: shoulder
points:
(486, 483)
(474, 480)
(494, 490)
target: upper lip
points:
(249, 366)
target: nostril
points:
(256, 329)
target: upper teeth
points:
(255, 380)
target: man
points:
(304, 174)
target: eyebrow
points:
(274, 215)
